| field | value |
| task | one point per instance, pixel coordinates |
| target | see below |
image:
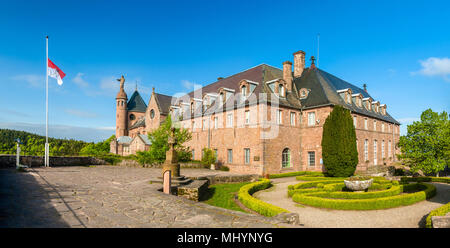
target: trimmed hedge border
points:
(296, 173)
(427, 191)
(425, 179)
(440, 211)
(263, 208)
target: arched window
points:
(286, 158)
(132, 117)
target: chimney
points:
(365, 87)
(299, 63)
(287, 74)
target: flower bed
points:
(263, 208)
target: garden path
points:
(412, 216)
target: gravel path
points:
(412, 216)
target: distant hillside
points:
(33, 144)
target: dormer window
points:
(303, 93)
(281, 90)
(349, 99)
(346, 94)
(244, 90)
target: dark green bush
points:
(224, 168)
(339, 152)
(209, 157)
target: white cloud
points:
(408, 120)
(435, 67)
(80, 81)
(81, 113)
(32, 79)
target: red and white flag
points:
(55, 72)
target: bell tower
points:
(121, 110)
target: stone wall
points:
(216, 179)
(35, 161)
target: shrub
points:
(224, 168)
(441, 211)
(339, 152)
(315, 200)
(263, 208)
(425, 179)
(315, 178)
(209, 157)
(296, 173)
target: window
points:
(311, 158)
(244, 90)
(152, 113)
(382, 149)
(193, 154)
(193, 126)
(389, 148)
(292, 119)
(286, 158)
(366, 150)
(382, 127)
(204, 124)
(132, 117)
(349, 98)
(389, 128)
(279, 116)
(247, 117)
(247, 155)
(230, 156)
(230, 120)
(374, 125)
(311, 118)
(354, 121)
(216, 122)
(281, 90)
(365, 124)
(375, 152)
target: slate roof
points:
(145, 139)
(164, 102)
(136, 103)
(124, 140)
(139, 123)
(324, 87)
(323, 91)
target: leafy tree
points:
(159, 147)
(426, 147)
(209, 157)
(99, 148)
(339, 152)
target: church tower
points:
(121, 110)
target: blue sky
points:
(400, 49)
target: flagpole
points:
(47, 150)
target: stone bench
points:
(194, 190)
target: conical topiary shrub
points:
(339, 152)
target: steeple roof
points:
(136, 103)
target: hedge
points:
(312, 199)
(394, 190)
(441, 211)
(263, 208)
(299, 188)
(316, 178)
(296, 173)
(425, 179)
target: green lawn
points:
(221, 195)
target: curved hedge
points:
(425, 179)
(441, 211)
(263, 208)
(315, 199)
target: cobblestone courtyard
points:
(107, 196)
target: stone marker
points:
(171, 162)
(167, 184)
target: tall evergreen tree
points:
(339, 152)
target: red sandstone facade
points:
(280, 131)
